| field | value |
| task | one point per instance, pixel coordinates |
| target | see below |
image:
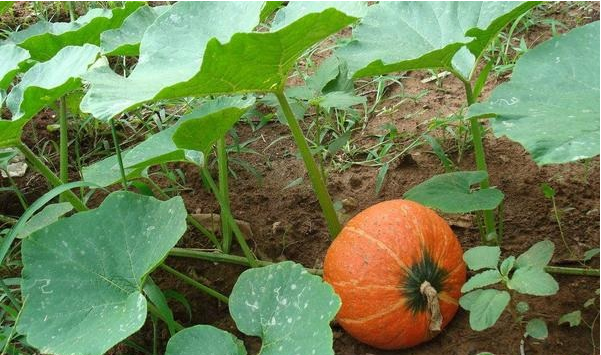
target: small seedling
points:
(523, 275)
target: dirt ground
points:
(287, 223)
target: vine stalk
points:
(64, 144)
(227, 215)
(226, 231)
(490, 236)
(50, 176)
(209, 234)
(572, 271)
(118, 153)
(325, 201)
(218, 257)
(190, 281)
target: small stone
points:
(17, 167)
(278, 228)
(349, 204)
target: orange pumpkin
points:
(398, 269)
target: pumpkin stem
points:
(431, 294)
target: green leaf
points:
(202, 133)
(125, 40)
(287, 307)
(269, 8)
(295, 10)
(482, 257)
(340, 100)
(538, 255)
(452, 193)
(522, 307)
(259, 62)
(339, 142)
(589, 302)
(298, 106)
(249, 62)
(507, 265)
(45, 217)
(382, 171)
(537, 328)
(39, 203)
(158, 299)
(331, 75)
(5, 5)
(181, 299)
(399, 36)
(482, 77)
(204, 340)
(294, 183)
(485, 307)
(11, 57)
(182, 29)
(159, 148)
(533, 281)
(589, 254)
(551, 104)
(548, 191)
(44, 39)
(83, 275)
(440, 152)
(572, 318)
(42, 85)
(485, 278)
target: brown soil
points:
(287, 223)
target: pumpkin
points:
(398, 269)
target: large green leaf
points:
(43, 84)
(160, 148)
(11, 58)
(485, 307)
(171, 51)
(204, 340)
(295, 10)
(551, 104)
(5, 5)
(282, 303)
(125, 40)
(287, 307)
(452, 193)
(45, 217)
(45, 39)
(259, 62)
(269, 8)
(83, 275)
(249, 62)
(398, 36)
